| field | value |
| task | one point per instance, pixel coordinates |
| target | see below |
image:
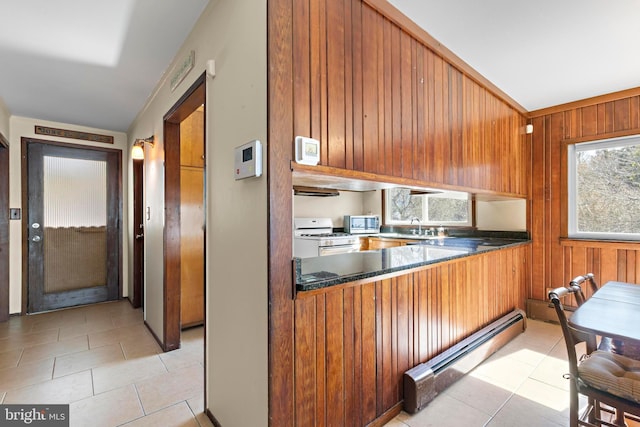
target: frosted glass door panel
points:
(75, 192)
(74, 223)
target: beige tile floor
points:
(102, 361)
(520, 385)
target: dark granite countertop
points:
(331, 270)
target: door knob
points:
(35, 225)
(36, 238)
(139, 236)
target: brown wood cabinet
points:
(381, 101)
(192, 139)
(352, 344)
(192, 219)
(385, 242)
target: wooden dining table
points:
(613, 311)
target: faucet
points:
(415, 218)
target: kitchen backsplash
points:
(501, 215)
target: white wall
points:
(347, 203)
(234, 34)
(24, 127)
(502, 215)
(5, 114)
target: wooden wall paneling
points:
(478, 143)
(404, 338)
(461, 316)
(317, 45)
(506, 175)
(631, 267)
(555, 133)
(467, 131)
(348, 355)
(387, 164)
(334, 342)
(415, 154)
(430, 114)
(420, 115)
(589, 118)
(491, 147)
(384, 99)
(635, 112)
(336, 129)
(305, 372)
(370, 328)
(358, 394)
(301, 41)
(622, 265)
(348, 83)
(456, 175)
(381, 345)
(436, 162)
(522, 153)
(321, 361)
(621, 111)
(578, 264)
(510, 179)
(424, 335)
(370, 78)
(609, 118)
(396, 103)
(357, 65)
(390, 387)
(280, 135)
(637, 268)
(406, 106)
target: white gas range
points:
(314, 237)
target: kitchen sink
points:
(410, 236)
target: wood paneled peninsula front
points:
(326, 271)
(354, 340)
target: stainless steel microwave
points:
(361, 224)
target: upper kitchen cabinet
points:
(380, 100)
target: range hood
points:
(315, 191)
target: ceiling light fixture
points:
(137, 151)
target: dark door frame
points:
(4, 228)
(114, 185)
(192, 99)
(138, 234)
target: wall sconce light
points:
(137, 151)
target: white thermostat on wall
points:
(307, 151)
(248, 160)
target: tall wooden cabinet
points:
(192, 219)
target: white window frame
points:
(388, 220)
(572, 189)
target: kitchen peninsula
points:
(321, 272)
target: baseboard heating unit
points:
(423, 382)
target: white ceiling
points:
(541, 53)
(88, 63)
(95, 63)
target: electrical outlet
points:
(14, 213)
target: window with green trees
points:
(604, 189)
